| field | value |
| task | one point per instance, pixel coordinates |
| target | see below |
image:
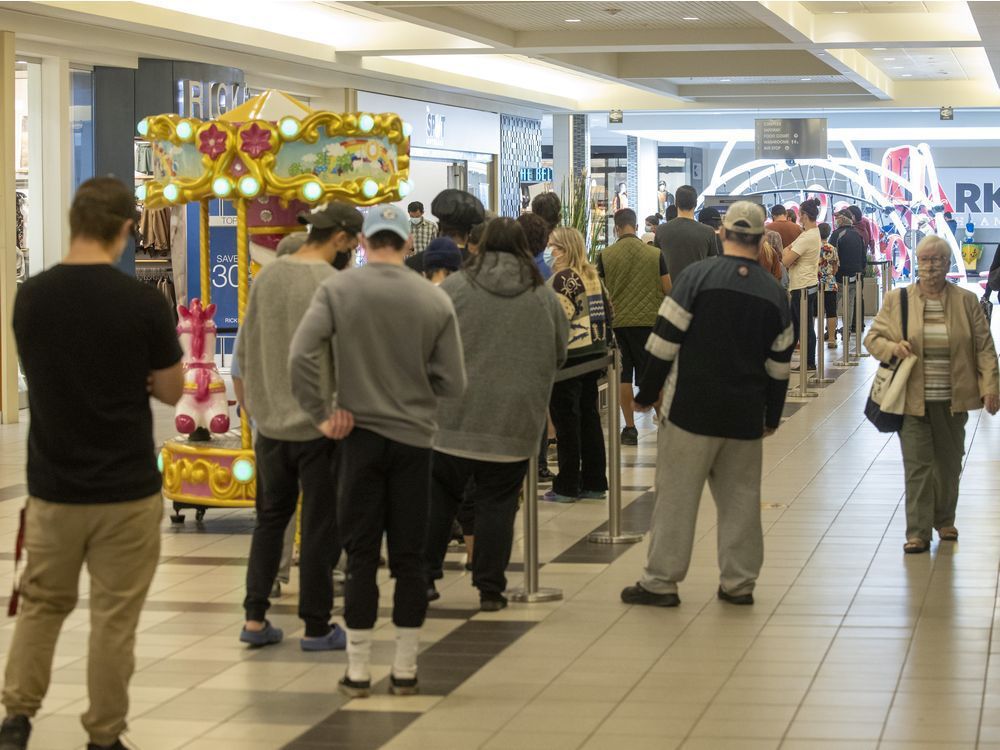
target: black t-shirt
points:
(89, 336)
(850, 250)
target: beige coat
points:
(974, 372)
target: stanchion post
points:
(614, 534)
(532, 593)
(859, 317)
(802, 389)
(820, 336)
(845, 306)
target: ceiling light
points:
(879, 49)
(691, 18)
(805, 79)
(906, 75)
(725, 80)
(888, 59)
(840, 12)
(572, 20)
(898, 67)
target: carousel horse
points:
(203, 408)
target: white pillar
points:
(58, 158)
(562, 154)
(8, 233)
(647, 169)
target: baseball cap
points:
(745, 217)
(387, 218)
(710, 217)
(291, 243)
(442, 253)
(334, 215)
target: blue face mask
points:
(548, 257)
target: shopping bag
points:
(888, 395)
(987, 305)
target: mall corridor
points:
(851, 645)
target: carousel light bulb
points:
(243, 470)
(143, 127)
(289, 127)
(222, 186)
(140, 193)
(184, 130)
(171, 192)
(369, 188)
(159, 462)
(366, 122)
(404, 188)
(407, 129)
(312, 191)
(249, 186)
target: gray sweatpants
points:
(732, 469)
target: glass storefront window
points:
(28, 166)
(82, 124)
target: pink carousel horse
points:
(203, 407)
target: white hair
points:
(934, 243)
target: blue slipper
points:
(554, 497)
(335, 640)
(258, 638)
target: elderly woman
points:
(956, 373)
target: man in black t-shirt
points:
(850, 244)
(684, 241)
(94, 489)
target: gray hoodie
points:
(514, 339)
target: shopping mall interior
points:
(850, 644)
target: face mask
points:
(649, 228)
(415, 220)
(548, 257)
(342, 260)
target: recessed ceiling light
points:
(888, 59)
(840, 12)
(898, 67)
(879, 49)
(572, 20)
(906, 75)
(805, 79)
(725, 80)
(691, 18)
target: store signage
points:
(536, 174)
(973, 193)
(223, 270)
(207, 100)
(778, 138)
(435, 128)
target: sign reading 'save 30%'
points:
(778, 138)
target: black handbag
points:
(883, 421)
(987, 304)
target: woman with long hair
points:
(579, 438)
(514, 340)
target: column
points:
(570, 152)
(632, 171)
(8, 237)
(641, 176)
(520, 147)
(56, 170)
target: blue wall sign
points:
(224, 271)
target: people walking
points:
(635, 275)
(397, 350)
(722, 345)
(93, 486)
(293, 455)
(579, 438)
(955, 373)
(514, 340)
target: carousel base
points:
(202, 474)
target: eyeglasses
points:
(933, 260)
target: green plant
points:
(580, 212)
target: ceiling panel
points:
(622, 15)
(903, 6)
(764, 80)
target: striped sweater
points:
(721, 346)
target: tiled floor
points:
(851, 645)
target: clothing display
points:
(154, 230)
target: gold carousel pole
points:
(206, 256)
(243, 292)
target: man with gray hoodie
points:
(514, 336)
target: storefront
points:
(451, 147)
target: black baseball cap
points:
(334, 215)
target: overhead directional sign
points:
(778, 138)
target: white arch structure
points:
(854, 169)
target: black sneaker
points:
(630, 436)
(492, 603)
(432, 593)
(401, 686)
(734, 598)
(354, 689)
(116, 745)
(14, 733)
(544, 475)
(638, 595)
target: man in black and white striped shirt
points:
(721, 347)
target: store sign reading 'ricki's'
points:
(207, 100)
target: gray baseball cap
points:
(387, 217)
(744, 217)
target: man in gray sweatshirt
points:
(291, 450)
(396, 351)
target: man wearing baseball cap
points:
(726, 374)
(291, 451)
(397, 351)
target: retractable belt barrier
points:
(802, 389)
(821, 330)
(859, 316)
(531, 591)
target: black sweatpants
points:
(285, 466)
(384, 489)
(493, 491)
(579, 437)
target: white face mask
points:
(548, 257)
(415, 220)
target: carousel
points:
(273, 157)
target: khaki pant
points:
(933, 447)
(120, 544)
(732, 468)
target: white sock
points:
(404, 666)
(359, 654)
